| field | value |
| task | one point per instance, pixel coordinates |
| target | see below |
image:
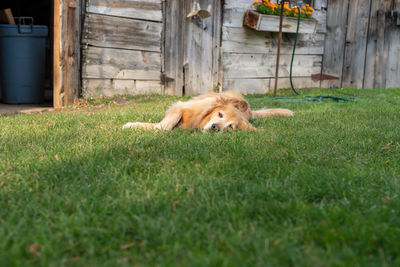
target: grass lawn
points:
(321, 188)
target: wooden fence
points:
(153, 46)
(362, 44)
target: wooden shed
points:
(177, 47)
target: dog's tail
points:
(272, 112)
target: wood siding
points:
(362, 43)
(122, 43)
(249, 56)
(192, 47)
(66, 51)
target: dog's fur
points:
(211, 111)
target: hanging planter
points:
(265, 17)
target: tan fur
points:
(227, 110)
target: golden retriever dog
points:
(211, 111)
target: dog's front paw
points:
(159, 127)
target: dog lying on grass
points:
(211, 111)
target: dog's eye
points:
(220, 114)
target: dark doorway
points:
(41, 12)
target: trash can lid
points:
(11, 30)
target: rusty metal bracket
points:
(165, 79)
(323, 77)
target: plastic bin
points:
(22, 63)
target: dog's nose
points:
(214, 126)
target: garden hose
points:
(318, 98)
(299, 98)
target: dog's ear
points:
(240, 104)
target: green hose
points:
(301, 98)
(319, 98)
(294, 51)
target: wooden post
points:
(57, 72)
(279, 49)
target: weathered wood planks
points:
(121, 64)
(110, 87)
(116, 32)
(263, 66)
(362, 44)
(122, 47)
(144, 9)
(248, 56)
(192, 47)
(356, 43)
(244, 40)
(335, 40)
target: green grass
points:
(319, 189)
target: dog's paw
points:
(159, 127)
(131, 125)
(139, 125)
(287, 112)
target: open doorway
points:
(42, 13)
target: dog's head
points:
(225, 116)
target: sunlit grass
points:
(321, 188)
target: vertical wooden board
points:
(199, 48)
(216, 43)
(72, 52)
(57, 69)
(206, 51)
(335, 39)
(376, 58)
(136, 9)
(393, 52)
(356, 43)
(175, 21)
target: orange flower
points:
(308, 13)
(310, 8)
(287, 13)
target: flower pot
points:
(270, 23)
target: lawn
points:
(321, 188)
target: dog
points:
(211, 111)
